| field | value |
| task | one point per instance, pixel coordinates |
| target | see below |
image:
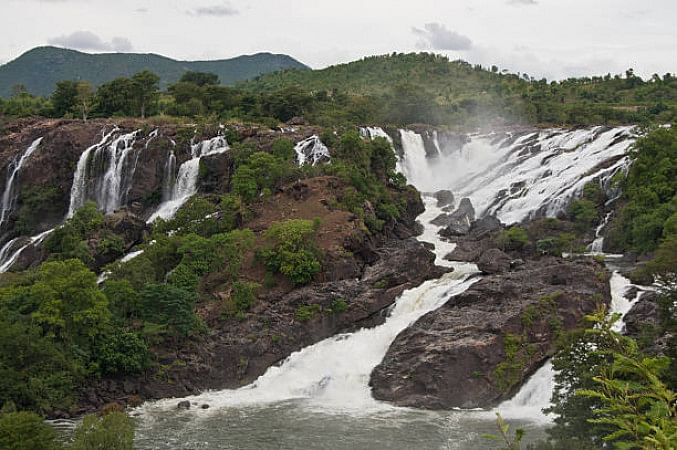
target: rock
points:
(456, 356)
(204, 406)
(444, 198)
(645, 313)
(460, 220)
(485, 225)
(494, 261)
(441, 220)
(184, 404)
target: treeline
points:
(395, 89)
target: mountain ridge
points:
(98, 68)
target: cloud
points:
(86, 40)
(141, 10)
(214, 10)
(522, 2)
(438, 37)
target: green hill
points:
(423, 87)
(39, 69)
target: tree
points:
(64, 97)
(169, 306)
(113, 431)
(200, 78)
(26, 431)
(146, 87)
(84, 98)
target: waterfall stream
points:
(185, 185)
(9, 195)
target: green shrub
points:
(26, 431)
(113, 431)
(283, 149)
(122, 353)
(584, 213)
(169, 306)
(244, 295)
(338, 306)
(514, 238)
(305, 313)
(291, 250)
(260, 171)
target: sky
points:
(543, 38)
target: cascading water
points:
(311, 151)
(516, 178)
(10, 253)
(9, 195)
(185, 185)
(326, 385)
(80, 183)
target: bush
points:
(291, 250)
(244, 295)
(122, 353)
(169, 306)
(259, 172)
(283, 149)
(514, 238)
(113, 431)
(26, 431)
(584, 213)
(305, 313)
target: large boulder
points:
(494, 261)
(459, 222)
(477, 349)
(445, 199)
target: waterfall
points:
(520, 177)
(113, 186)
(414, 163)
(514, 176)
(9, 196)
(311, 150)
(9, 255)
(79, 187)
(169, 177)
(596, 247)
(334, 373)
(185, 184)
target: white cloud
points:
(438, 37)
(522, 2)
(86, 40)
(214, 10)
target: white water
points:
(311, 151)
(536, 174)
(80, 182)
(333, 375)
(185, 185)
(596, 247)
(9, 195)
(8, 255)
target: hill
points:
(39, 69)
(422, 87)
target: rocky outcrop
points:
(238, 351)
(478, 348)
(494, 261)
(458, 223)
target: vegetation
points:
(437, 91)
(112, 431)
(607, 391)
(648, 218)
(291, 250)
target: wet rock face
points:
(238, 352)
(459, 222)
(478, 348)
(444, 199)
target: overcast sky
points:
(551, 38)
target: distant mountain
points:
(39, 69)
